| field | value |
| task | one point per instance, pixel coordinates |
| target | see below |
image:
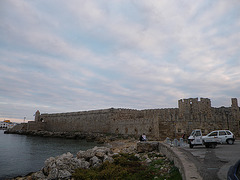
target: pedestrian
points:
(183, 136)
(143, 137)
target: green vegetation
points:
(131, 167)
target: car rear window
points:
(229, 133)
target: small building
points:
(7, 124)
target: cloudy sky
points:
(75, 55)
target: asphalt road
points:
(214, 163)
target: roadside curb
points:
(187, 168)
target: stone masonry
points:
(158, 124)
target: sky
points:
(76, 55)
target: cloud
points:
(63, 56)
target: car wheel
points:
(191, 145)
(230, 141)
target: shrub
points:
(130, 167)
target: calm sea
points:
(20, 154)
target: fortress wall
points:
(156, 123)
(216, 119)
(167, 120)
(134, 122)
(86, 121)
(33, 125)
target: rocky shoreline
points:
(63, 166)
(89, 137)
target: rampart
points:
(156, 123)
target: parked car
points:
(234, 172)
(196, 139)
(226, 136)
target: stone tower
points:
(235, 104)
(37, 116)
(193, 106)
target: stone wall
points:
(33, 125)
(86, 121)
(156, 123)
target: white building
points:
(6, 125)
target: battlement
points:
(193, 105)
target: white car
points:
(196, 139)
(226, 136)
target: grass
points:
(130, 167)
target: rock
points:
(145, 156)
(137, 155)
(108, 158)
(96, 151)
(53, 174)
(86, 154)
(49, 165)
(95, 162)
(100, 154)
(38, 176)
(62, 167)
(63, 174)
(83, 164)
(129, 149)
(147, 146)
(148, 161)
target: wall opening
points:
(136, 131)
(150, 130)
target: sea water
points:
(21, 154)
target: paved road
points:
(214, 163)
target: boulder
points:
(53, 174)
(86, 154)
(147, 146)
(62, 167)
(108, 158)
(96, 151)
(38, 176)
(95, 162)
(63, 174)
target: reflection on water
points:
(20, 154)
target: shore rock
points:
(62, 167)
